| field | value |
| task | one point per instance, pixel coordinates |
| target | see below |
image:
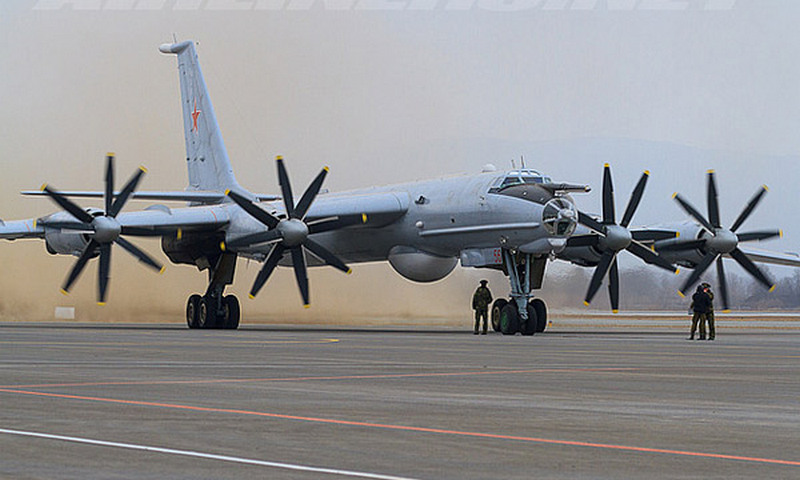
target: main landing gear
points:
(521, 313)
(214, 309)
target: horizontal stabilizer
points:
(199, 197)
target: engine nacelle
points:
(64, 242)
(420, 266)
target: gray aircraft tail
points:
(206, 157)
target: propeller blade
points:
(139, 254)
(748, 265)
(698, 271)
(723, 284)
(103, 272)
(109, 195)
(713, 203)
(255, 239)
(749, 208)
(693, 212)
(653, 235)
(309, 195)
(650, 257)
(599, 273)
(613, 286)
(682, 246)
(126, 192)
(325, 255)
(608, 197)
(326, 225)
(87, 253)
(286, 188)
(758, 236)
(273, 258)
(583, 241)
(590, 222)
(300, 273)
(259, 214)
(636, 197)
(68, 205)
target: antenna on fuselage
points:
(513, 166)
(522, 162)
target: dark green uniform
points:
(701, 302)
(481, 300)
(710, 314)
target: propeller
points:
(103, 230)
(291, 233)
(610, 238)
(717, 241)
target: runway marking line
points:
(341, 377)
(209, 456)
(351, 423)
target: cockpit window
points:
(519, 177)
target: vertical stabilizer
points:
(206, 157)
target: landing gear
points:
(521, 313)
(214, 309)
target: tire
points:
(192, 306)
(528, 327)
(233, 312)
(509, 319)
(497, 306)
(205, 314)
(541, 314)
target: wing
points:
(17, 229)
(775, 258)
(200, 197)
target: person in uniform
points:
(701, 302)
(710, 315)
(481, 300)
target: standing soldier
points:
(701, 302)
(710, 315)
(480, 303)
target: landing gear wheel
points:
(541, 314)
(192, 307)
(206, 314)
(509, 320)
(529, 326)
(230, 305)
(497, 307)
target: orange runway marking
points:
(413, 429)
(343, 377)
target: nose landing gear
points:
(521, 313)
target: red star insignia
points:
(195, 113)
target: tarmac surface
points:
(87, 401)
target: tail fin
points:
(206, 157)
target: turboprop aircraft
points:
(513, 221)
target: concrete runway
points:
(163, 402)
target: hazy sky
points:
(386, 96)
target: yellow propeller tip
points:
(279, 157)
(111, 154)
(101, 304)
(766, 188)
(222, 246)
(163, 269)
(647, 172)
(64, 292)
(326, 168)
(614, 311)
(772, 288)
(710, 171)
(306, 305)
(681, 294)
(674, 194)
(728, 310)
(780, 233)
(363, 218)
(677, 271)
(349, 271)
(606, 165)
(43, 187)
(180, 234)
(677, 234)
(228, 192)
(143, 168)
(252, 297)
(586, 303)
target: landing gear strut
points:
(215, 309)
(521, 313)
